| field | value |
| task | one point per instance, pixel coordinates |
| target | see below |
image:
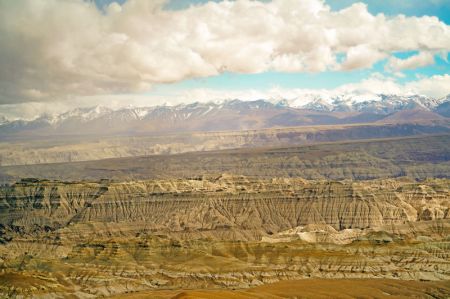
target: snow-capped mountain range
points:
(311, 109)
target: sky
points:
(57, 55)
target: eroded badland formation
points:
(373, 214)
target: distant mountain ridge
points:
(233, 115)
(380, 104)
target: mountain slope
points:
(444, 108)
(412, 115)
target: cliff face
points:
(224, 204)
(96, 239)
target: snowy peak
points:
(128, 114)
(379, 104)
(78, 114)
(318, 104)
(86, 114)
(248, 105)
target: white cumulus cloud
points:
(412, 62)
(61, 49)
